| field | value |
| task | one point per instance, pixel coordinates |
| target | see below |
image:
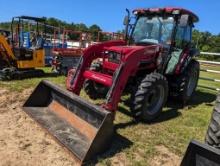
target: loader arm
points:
(127, 68)
(90, 54)
(5, 47)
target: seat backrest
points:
(175, 58)
(23, 53)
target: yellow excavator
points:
(22, 51)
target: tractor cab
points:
(170, 28)
(28, 36)
(166, 26)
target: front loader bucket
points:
(83, 128)
(199, 154)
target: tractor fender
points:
(186, 59)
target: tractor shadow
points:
(172, 107)
(201, 97)
(117, 145)
(166, 115)
(119, 142)
(50, 75)
(45, 75)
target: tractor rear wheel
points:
(150, 97)
(183, 87)
(93, 89)
(213, 132)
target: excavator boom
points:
(6, 48)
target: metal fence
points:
(210, 64)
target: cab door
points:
(181, 48)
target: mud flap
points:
(198, 154)
(83, 128)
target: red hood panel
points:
(127, 49)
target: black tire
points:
(2, 76)
(183, 87)
(3, 64)
(6, 73)
(63, 71)
(150, 97)
(213, 133)
(95, 90)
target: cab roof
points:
(169, 10)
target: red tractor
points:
(155, 60)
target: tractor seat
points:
(175, 58)
(23, 53)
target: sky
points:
(108, 14)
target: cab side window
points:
(183, 36)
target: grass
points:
(135, 142)
(174, 129)
(208, 75)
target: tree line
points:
(59, 23)
(204, 41)
(93, 29)
(207, 42)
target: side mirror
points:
(126, 20)
(184, 20)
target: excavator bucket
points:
(83, 128)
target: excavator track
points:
(14, 74)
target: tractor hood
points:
(127, 50)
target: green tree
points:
(94, 29)
(81, 27)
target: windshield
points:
(153, 30)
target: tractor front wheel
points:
(93, 89)
(150, 97)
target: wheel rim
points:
(155, 100)
(192, 83)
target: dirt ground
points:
(23, 142)
(165, 157)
